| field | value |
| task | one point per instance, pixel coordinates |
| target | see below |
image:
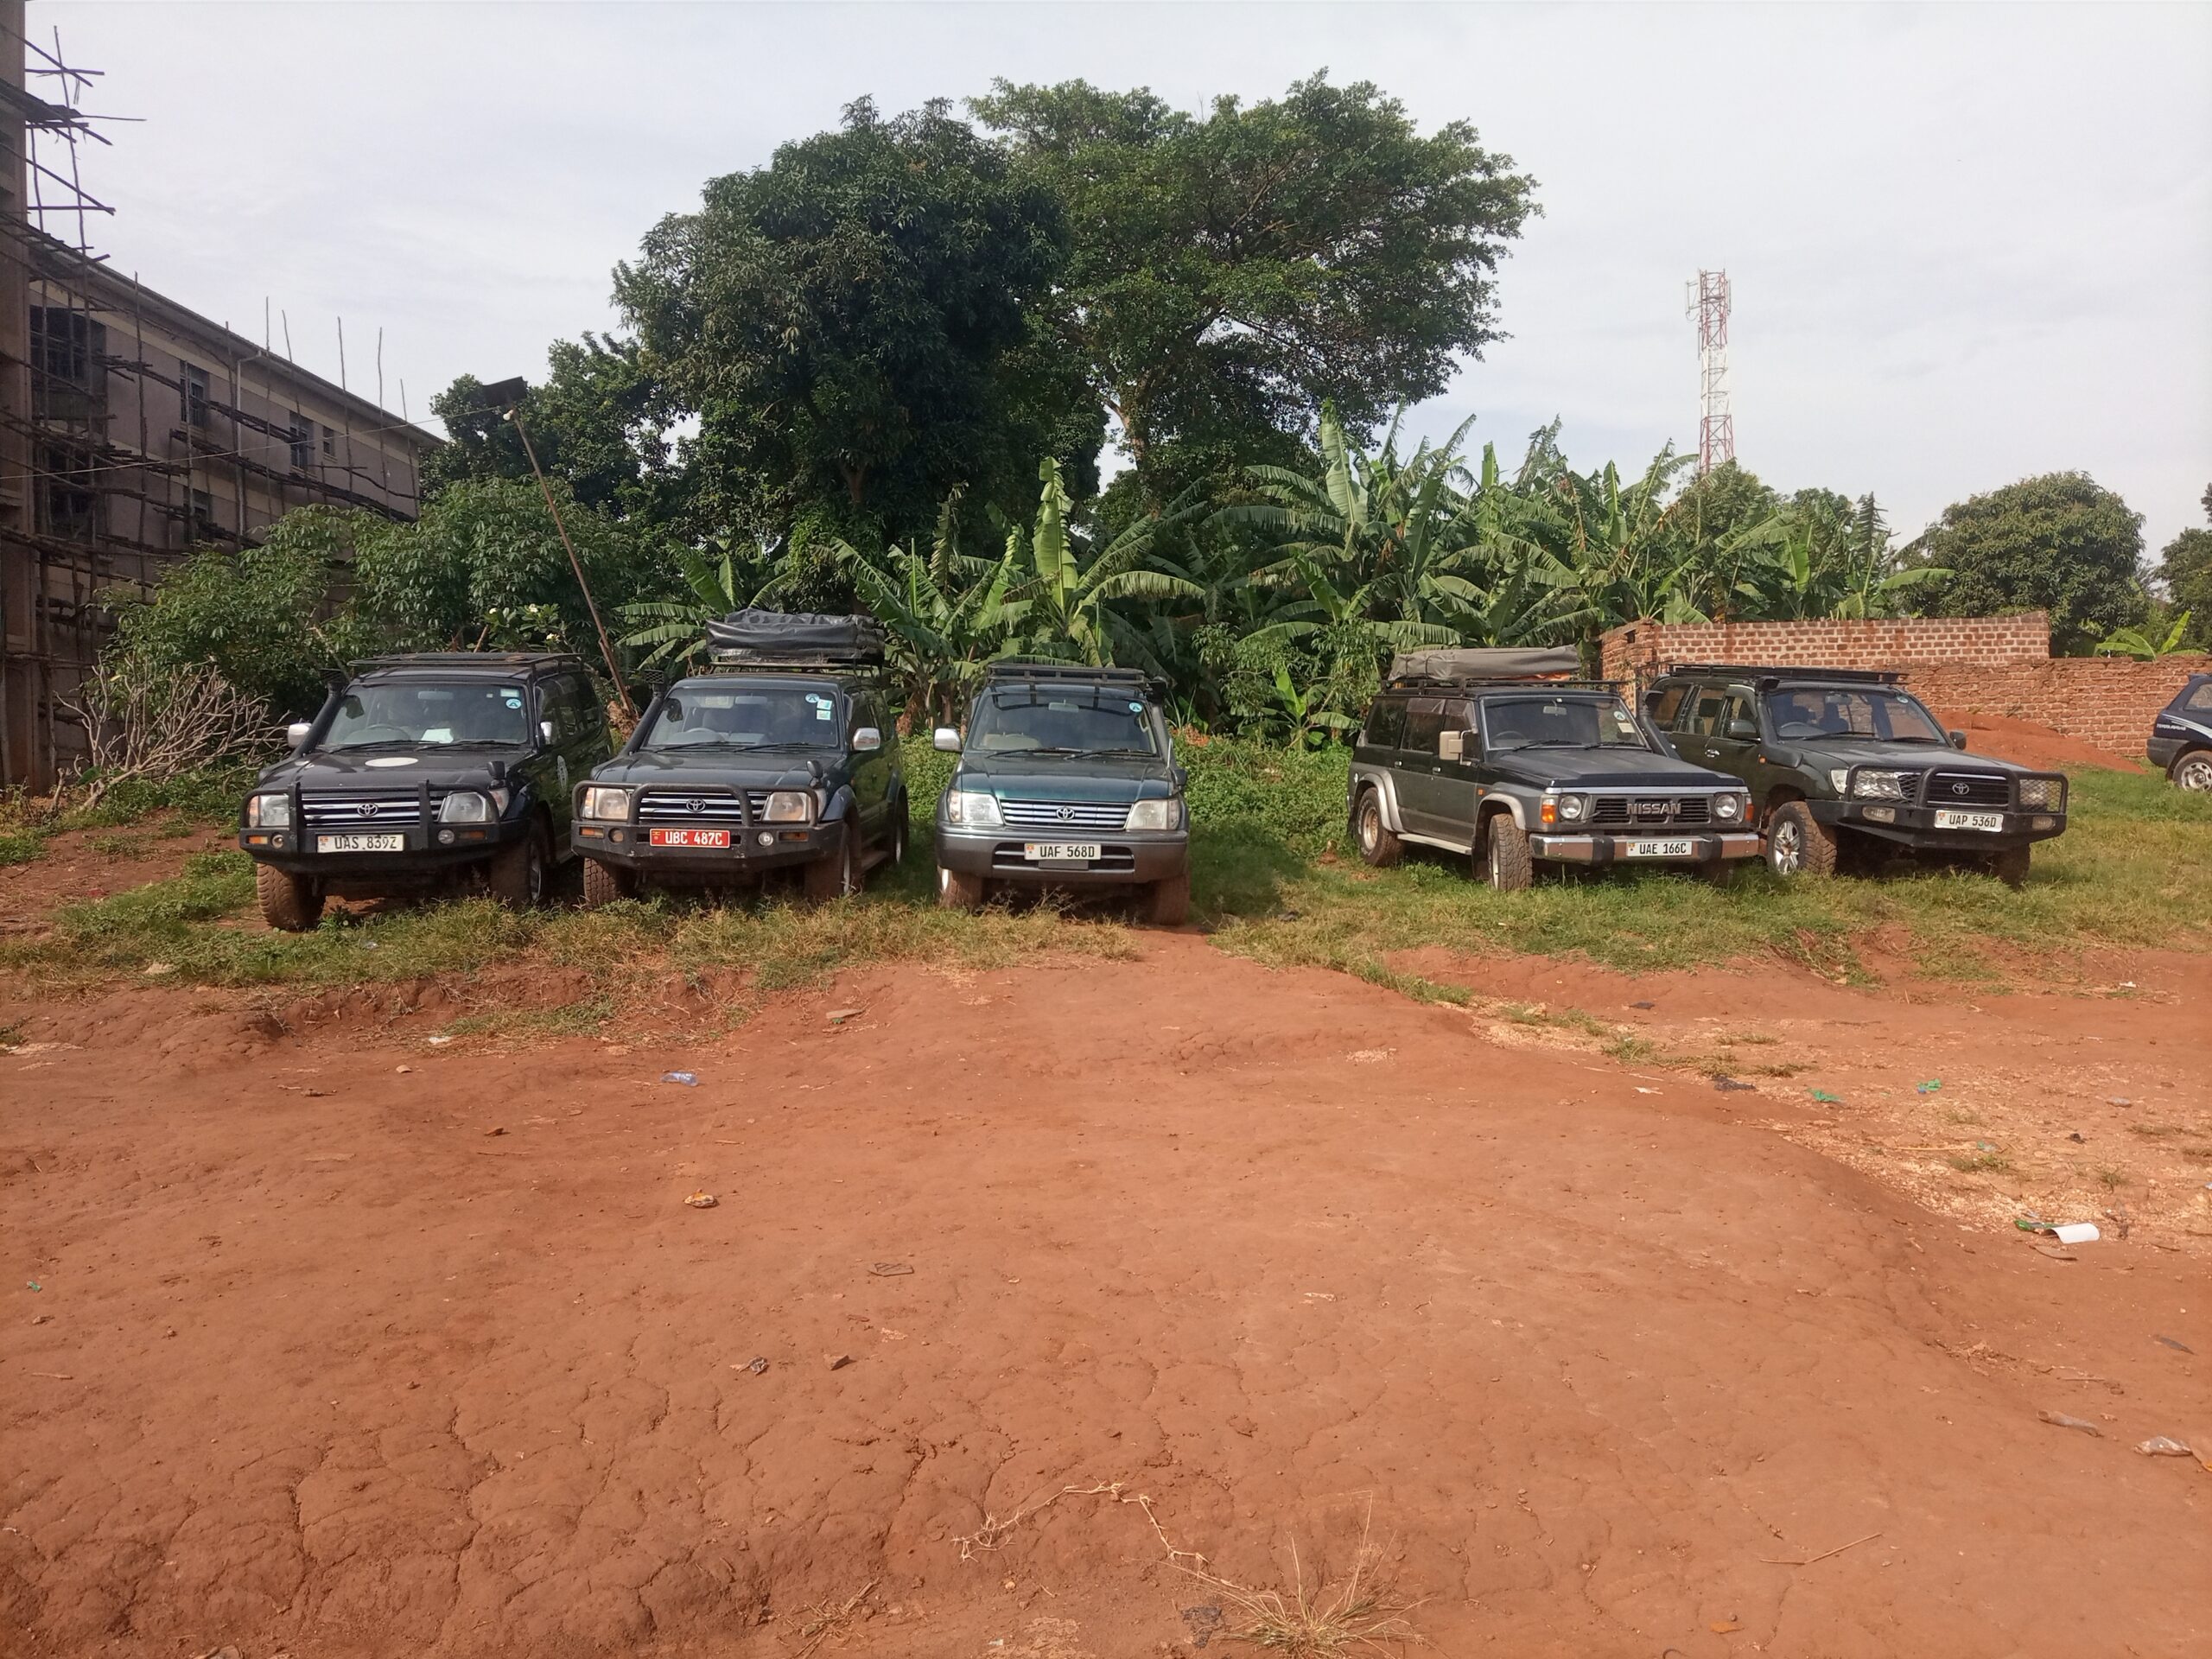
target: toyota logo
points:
(1067, 813)
(696, 804)
(1961, 789)
(367, 809)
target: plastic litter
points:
(2060, 1419)
(2077, 1232)
(1930, 1086)
(1823, 1095)
(889, 1269)
(689, 1079)
(2175, 1342)
(759, 1367)
(2164, 1445)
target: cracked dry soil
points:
(318, 1364)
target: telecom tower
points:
(1708, 303)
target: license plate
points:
(1657, 849)
(1949, 818)
(690, 837)
(1060, 852)
(391, 842)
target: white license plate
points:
(1657, 849)
(1949, 818)
(390, 842)
(1060, 852)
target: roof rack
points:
(1781, 671)
(1027, 669)
(1518, 683)
(469, 659)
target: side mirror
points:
(545, 731)
(947, 739)
(297, 732)
(1182, 778)
(1743, 731)
(1957, 739)
(866, 738)
(1452, 746)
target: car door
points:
(553, 768)
(1420, 768)
(1726, 748)
(871, 769)
(1701, 730)
(1457, 782)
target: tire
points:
(1506, 862)
(289, 903)
(1168, 903)
(1796, 844)
(2011, 866)
(958, 891)
(519, 873)
(605, 883)
(1378, 845)
(898, 828)
(2192, 770)
(840, 874)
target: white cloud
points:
(1967, 243)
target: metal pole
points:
(576, 564)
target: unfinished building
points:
(132, 429)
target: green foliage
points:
(2145, 646)
(2058, 542)
(1234, 268)
(2185, 573)
(256, 613)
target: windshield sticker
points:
(392, 760)
(514, 699)
(822, 711)
(1136, 707)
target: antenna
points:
(1708, 302)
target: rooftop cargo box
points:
(794, 639)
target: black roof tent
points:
(1773, 675)
(1015, 670)
(490, 662)
(795, 640)
(1456, 665)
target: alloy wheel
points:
(1785, 854)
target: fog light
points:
(767, 837)
(1880, 814)
(2040, 822)
(445, 837)
(276, 841)
(618, 834)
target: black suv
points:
(1841, 760)
(1498, 754)
(1067, 778)
(778, 760)
(422, 770)
(2181, 737)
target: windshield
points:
(1560, 723)
(1062, 720)
(1836, 711)
(744, 717)
(412, 712)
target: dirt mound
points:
(333, 1357)
(2026, 743)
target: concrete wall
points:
(1989, 665)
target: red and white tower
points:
(1708, 303)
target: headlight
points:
(1879, 785)
(788, 807)
(1727, 806)
(1839, 778)
(976, 809)
(602, 802)
(473, 806)
(268, 812)
(1572, 807)
(1163, 814)
(2042, 794)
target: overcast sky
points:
(1968, 244)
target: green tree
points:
(2059, 543)
(1232, 270)
(852, 325)
(2185, 573)
(1059, 609)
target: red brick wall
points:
(1991, 665)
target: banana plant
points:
(2144, 646)
(1059, 607)
(673, 632)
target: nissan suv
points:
(432, 770)
(1066, 778)
(1502, 756)
(777, 761)
(1842, 761)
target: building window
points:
(203, 515)
(67, 506)
(195, 396)
(64, 343)
(302, 441)
(329, 440)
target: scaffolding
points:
(102, 488)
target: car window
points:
(1062, 720)
(1583, 723)
(1839, 711)
(573, 709)
(1739, 707)
(1386, 722)
(1706, 713)
(2200, 700)
(407, 712)
(727, 716)
(1667, 704)
(1424, 720)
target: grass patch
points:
(20, 844)
(1971, 1163)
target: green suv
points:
(1067, 778)
(1843, 761)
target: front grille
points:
(1616, 811)
(1967, 788)
(358, 811)
(689, 806)
(1064, 815)
(1111, 861)
(756, 804)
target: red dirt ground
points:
(344, 1344)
